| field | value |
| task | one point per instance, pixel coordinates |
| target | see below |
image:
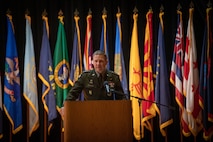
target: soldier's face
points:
(99, 62)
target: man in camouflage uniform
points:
(93, 82)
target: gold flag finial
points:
(90, 11)
(60, 13)
(119, 10)
(209, 4)
(161, 8)
(76, 13)
(104, 11)
(8, 12)
(179, 7)
(27, 12)
(44, 13)
(135, 10)
(191, 4)
(60, 16)
(150, 7)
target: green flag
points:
(61, 65)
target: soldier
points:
(97, 84)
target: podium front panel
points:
(101, 121)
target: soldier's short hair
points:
(99, 52)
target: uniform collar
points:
(103, 74)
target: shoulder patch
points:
(112, 72)
(86, 73)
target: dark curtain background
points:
(36, 7)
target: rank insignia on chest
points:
(111, 84)
(91, 82)
(90, 92)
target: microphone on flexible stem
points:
(106, 86)
(159, 104)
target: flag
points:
(46, 75)
(135, 80)
(206, 77)
(104, 39)
(76, 64)
(176, 74)
(12, 90)
(88, 49)
(30, 81)
(119, 64)
(148, 107)
(1, 111)
(191, 80)
(61, 65)
(162, 93)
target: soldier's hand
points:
(62, 111)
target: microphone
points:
(106, 86)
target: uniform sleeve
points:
(76, 89)
(118, 88)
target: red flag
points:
(148, 84)
(191, 80)
(176, 75)
(88, 50)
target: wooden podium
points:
(98, 121)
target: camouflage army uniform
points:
(93, 87)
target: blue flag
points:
(12, 93)
(30, 81)
(162, 94)
(1, 111)
(206, 77)
(76, 64)
(47, 77)
(104, 39)
(119, 64)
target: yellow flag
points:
(135, 80)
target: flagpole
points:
(45, 126)
(152, 133)
(140, 115)
(180, 110)
(181, 136)
(10, 133)
(27, 109)
(166, 137)
(62, 130)
(195, 140)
